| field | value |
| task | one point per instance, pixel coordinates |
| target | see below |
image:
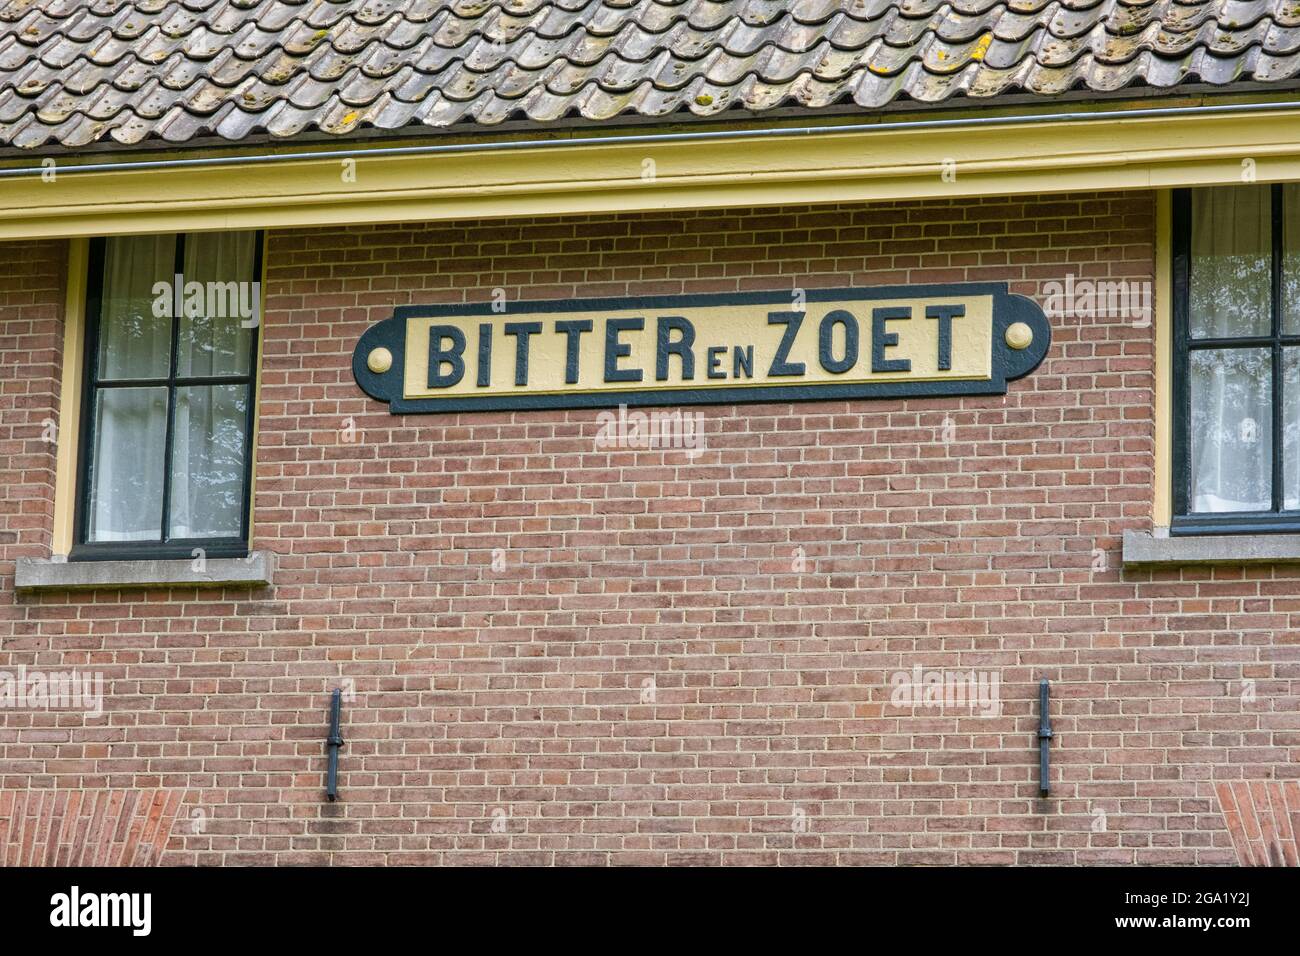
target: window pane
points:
(1232, 262)
(213, 337)
(207, 476)
(133, 341)
(1231, 430)
(126, 474)
(1291, 429)
(1291, 260)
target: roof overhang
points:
(960, 154)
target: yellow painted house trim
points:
(1163, 476)
(74, 323)
(1005, 158)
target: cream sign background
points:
(967, 338)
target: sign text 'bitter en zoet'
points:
(963, 339)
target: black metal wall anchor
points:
(1044, 739)
(332, 743)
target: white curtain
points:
(1231, 389)
(217, 341)
(1232, 430)
(209, 430)
(130, 423)
(1291, 259)
(133, 341)
(1291, 429)
(127, 470)
(208, 461)
(1232, 262)
(1291, 356)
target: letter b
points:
(439, 356)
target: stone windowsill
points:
(1145, 549)
(45, 574)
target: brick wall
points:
(674, 660)
(31, 350)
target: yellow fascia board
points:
(1004, 158)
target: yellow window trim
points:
(74, 337)
(1162, 507)
(69, 430)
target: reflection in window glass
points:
(1231, 262)
(135, 343)
(1231, 430)
(1291, 260)
(215, 340)
(208, 461)
(126, 476)
(1291, 429)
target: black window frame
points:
(1182, 520)
(165, 547)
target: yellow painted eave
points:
(1007, 157)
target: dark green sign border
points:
(1008, 364)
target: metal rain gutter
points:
(644, 138)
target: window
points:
(1236, 372)
(168, 404)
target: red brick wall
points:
(499, 716)
(31, 349)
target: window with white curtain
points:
(168, 399)
(1237, 359)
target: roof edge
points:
(472, 133)
(958, 156)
